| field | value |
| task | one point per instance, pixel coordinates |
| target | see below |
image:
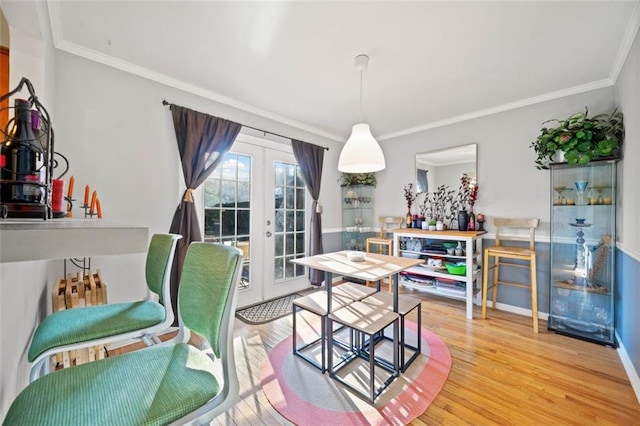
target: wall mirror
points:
(445, 167)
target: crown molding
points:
(627, 42)
(93, 55)
(502, 108)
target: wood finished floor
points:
(502, 373)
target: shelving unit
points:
(357, 216)
(583, 240)
(428, 245)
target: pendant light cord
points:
(361, 71)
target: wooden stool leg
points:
(534, 294)
(496, 275)
(485, 284)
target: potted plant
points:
(368, 179)
(580, 139)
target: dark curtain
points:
(203, 141)
(310, 159)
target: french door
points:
(256, 201)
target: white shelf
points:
(471, 257)
(37, 239)
(431, 289)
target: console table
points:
(421, 244)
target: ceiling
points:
(431, 63)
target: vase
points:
(439, 226)
(463, 220)
(558, 157)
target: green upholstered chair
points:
(101, 324)
(169, 383)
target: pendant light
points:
(361, 153)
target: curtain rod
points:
(165, 103)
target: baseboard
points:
(629, 368)
(518, 310)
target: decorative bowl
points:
(356, 256)
(456, 268)
(449, 245)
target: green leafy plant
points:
(349, 179)
(580, 138)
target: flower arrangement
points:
(473, 195)
(409, 196)
(467, 193)
(440, 205)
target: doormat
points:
(267, 311)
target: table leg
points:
(328, 284)
(395, 292)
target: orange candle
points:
(86, 196)
(94, 198)
(99, 208)
(72, 180)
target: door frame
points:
(258, 148)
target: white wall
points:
(628, 97)
(509, 184)
(120, 140)
(24, 293)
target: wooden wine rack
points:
(74, 292)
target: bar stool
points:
(382, 241)
(365, 321)
(354, 292)
(315, 303)
(406, 304)
(500, 251)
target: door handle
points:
(268, 233)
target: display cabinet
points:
(583, 239)
(357, 216)
(452, 263)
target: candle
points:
(72, 180)
(99, 208)
(94, 198)
(86, 196)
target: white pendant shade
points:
(361, 153)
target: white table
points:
(375, 267)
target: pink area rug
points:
(304, 396)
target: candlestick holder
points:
(87, 211)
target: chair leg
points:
(485, 285)
(534, 294)
(496, 275)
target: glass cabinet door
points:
(357, 216)
(583, 226)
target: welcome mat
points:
(267, 311)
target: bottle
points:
(409, 219)
(472, 221)
(22, 160)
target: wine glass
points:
(561, 198)
(581, 187)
